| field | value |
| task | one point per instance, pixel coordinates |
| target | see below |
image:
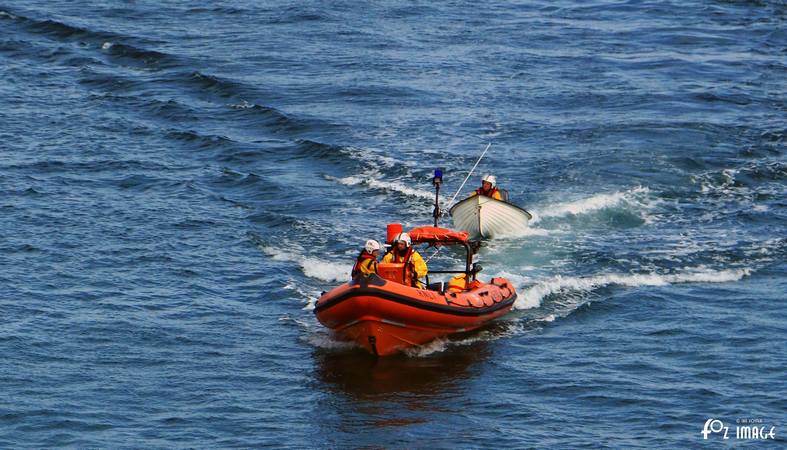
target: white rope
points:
(434, 254)
(468, 176)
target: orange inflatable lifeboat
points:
(384, 314)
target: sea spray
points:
(373, 181)
(533, 296)
(593, 203)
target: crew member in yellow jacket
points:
(403, 252)
(366, 263)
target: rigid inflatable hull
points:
(486, 217)
(389, 317)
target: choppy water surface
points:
(179, 181)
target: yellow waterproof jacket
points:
(368, 266)
(457, 283)
(365, 265)
(495, 194)
(416, 260)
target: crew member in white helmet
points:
(488, 188)
(403, 252)
(366, 263)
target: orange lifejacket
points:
(491, 193)
(363, 257)
(407, 277)
(396, 272)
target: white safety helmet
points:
(403, 237)
(372, 245)
(491, 179)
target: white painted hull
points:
(486, 217)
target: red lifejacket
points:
(491, 193)
(361, 258)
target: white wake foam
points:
(593, 203)
(317, 336)
(532, 296)
(242, 105)
(525, 232)
(327, 342)
(373, 182)
(441, 344)
(375, 158)
(309, 297)
(312, 267)
(502, 330)
(718, 183)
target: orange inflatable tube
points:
(385, 316)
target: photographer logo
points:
(746, 429)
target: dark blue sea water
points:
(180, 180)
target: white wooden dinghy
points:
(486, 217)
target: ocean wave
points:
(140, 56)
(267, 115)
(325, 271)
(126, 49)
(319, 269)
(594, 203)
(64, 31)
(375, 158)
(203, 140)
(759, 177)
(309, 296)
(525, 232)
(373, 182)
(311, 149)
(311, 303)
(173, 111)
(533, 296)
(224, 88)
(326, 342)
(59, 29)
(209, 11)
(131, 51)
(111, 82)
(317, 336)
(95, 166)
(492, 332)
(440, 345)
(242, 105)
